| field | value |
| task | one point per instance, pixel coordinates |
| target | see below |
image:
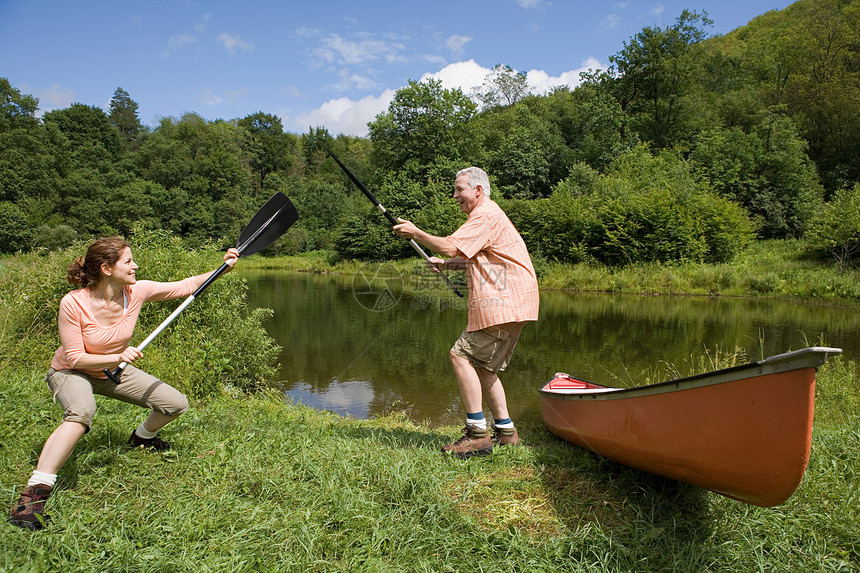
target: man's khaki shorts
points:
(489, 348)
(74, 391)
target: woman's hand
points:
(230, 258)
(129, 355)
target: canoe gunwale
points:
(811, 357)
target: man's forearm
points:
(436, 244)
(455, 264)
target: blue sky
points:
(324, 63)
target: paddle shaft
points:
(114, 375)
(391, 218)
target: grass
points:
(254, 483)
(780, 269)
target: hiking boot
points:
(474, 442)
(505, 436)
(29, 512)
(155, 443)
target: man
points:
(503, 296)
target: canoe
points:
(743, 432)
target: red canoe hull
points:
(743, 432)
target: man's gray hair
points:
(476, 176)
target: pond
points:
(362, 348)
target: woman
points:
(96, 323)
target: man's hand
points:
(405, 229)
(436, 264)
(441, 245)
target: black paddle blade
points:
(270, 222)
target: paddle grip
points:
(115, 374)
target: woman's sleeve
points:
(71, 332)
(151, 290)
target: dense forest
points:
(688, 147)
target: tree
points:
(32, 156)
(123, 116)
(86, 127)
(16, 110)
(590, 122)
(805, 58)
(265, 143)
(766, 170)
(651, 76)
(823, 91)
(502, 86)
(424, 124)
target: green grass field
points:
(256, 484)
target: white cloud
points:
(528, 3)
(293, 91)
(657, 10)
(350, 81)
(232, 43)
(336, 49)
(212, 99)
(610, 21)
(344, 115)
(468, 75)
(54, 97)
(463, 75)
(437, 60)
(201, 27)
(348, 116)
(456, 43)
(177, 42)
(541, 82)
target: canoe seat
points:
(562, 381)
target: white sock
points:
(480, 424)
(142, 432)
(42, 478)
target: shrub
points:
(560, 229)
(835, 232)
(15, 232)
(53, 237)
(646, 209)
(648, 227)
(726, 228)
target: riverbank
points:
(256, 484)
(774, 269)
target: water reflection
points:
(361, 349)
(348, 397)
